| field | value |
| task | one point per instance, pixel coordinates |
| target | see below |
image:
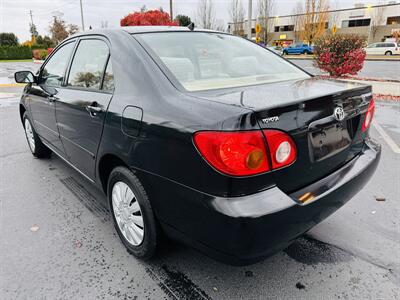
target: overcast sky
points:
(14, 14)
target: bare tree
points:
(236, 12)
(72, 29)
(377, 19)
(59, 30)
(104, 24)
(297, 12)
(313, 22)
(205, 16)
(334, 16)
(220, 25)
(265, 12)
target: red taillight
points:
(281, 147)
(369, 115)
(244, 153)
(238, 153)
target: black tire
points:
(284, 53)
(388, 53)
(39, 149)
(147, 248)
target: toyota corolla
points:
(202, 136)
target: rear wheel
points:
(36, 146)
(132, 213)
(284, 53)
(388, 53)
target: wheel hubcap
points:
(127, 213)
(29, 135)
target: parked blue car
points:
(298, 49)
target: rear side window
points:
(202, 61)
(88, 64)
(53, 72)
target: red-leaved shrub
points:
(148, 18)
(39, 54)
(340, 54)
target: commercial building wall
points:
(361, 18)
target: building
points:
(375, 22)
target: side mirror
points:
(24, 77)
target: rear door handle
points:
(94, 109)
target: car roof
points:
(141, 29)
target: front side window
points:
(203, 61)
(53, 72)
(88, 64)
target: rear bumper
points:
(244, 230)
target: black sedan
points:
(202, 136)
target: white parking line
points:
(387, 138)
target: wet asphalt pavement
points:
(57, 240)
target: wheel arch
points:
(22, 110)
(106, 164)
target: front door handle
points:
(52, 98)
(94, 109)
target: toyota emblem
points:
(339, 114)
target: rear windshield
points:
(203, 61)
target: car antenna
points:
(191, 26)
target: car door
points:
(43, 95)
(83, 103)
(297, 48)
(370, 49)
(381, 48)
(291, 49)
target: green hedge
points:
(15, 52)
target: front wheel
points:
(284, 53)
(132, 213)
(388, 53)
(36, 146)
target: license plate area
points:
(329, 140)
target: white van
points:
(384, 48)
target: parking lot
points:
(57, 239)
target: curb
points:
(380, 97)
(383, 88)
(11, 84)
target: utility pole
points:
(83, 24)
(170, 10)
(249, 13)
(32, 27)
(30, 12)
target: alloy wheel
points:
(127, 213)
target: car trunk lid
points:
(322, 116)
